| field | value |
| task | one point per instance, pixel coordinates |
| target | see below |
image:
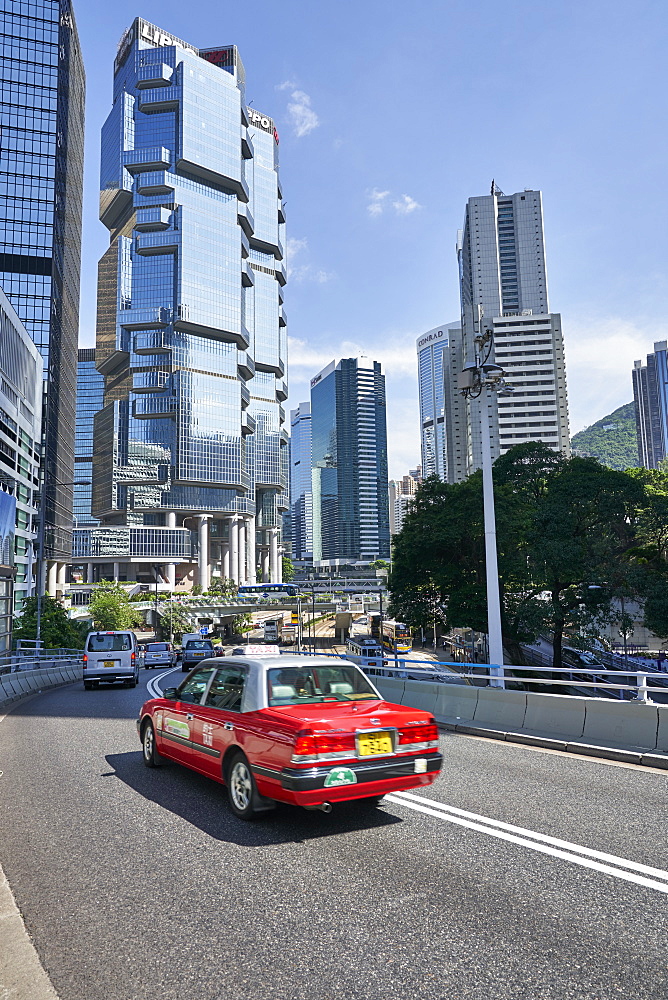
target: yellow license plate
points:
(108, 664)
(370, 744)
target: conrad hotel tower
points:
(189, 473)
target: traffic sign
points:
(204, 630)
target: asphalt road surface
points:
(530, 874)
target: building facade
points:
(189, 468)
(650, 397)
(442, 408)
(401, 493)
(301, 496)
(349, 463)
(503, 284)
(20, 445)
(42, 92)
(90, 400)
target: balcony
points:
(141, 319)
(155, 182)
(152, 342)
(284, 437)
(160, 99)
(281, 415)
(153, 219)
(245, 365)
(282, 316)
(245, 219)
(247, 423)
(151, 158)
(247, 276)
(245, 395)
(150, 381)
(281, 211)
(281, 272)
(247, 150)
(157, 75)
(153, 407)
(281, 391)
(150, 244)
(245, 245)
(187, 319)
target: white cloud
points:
(376, 201)
(599, 358)
(305, 271)
(300, 113)
(405, 205)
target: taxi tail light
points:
(304, 743)
(418, 734)
(335, 743)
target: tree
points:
(56, 630)
(178, 619)
(224, 587)
(288, 569)
(110, 608)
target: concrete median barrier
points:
(662, 730)
(456, 705)
(421, 694)
(500, 709)
(391, 688)
(556, 714)
(25, 682)
(626, 724)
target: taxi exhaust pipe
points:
(325, 807)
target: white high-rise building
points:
(442, 408)
(301, 496)
(503, 284)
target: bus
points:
(365, 651)
(272, 629)
(374, 625)
(269, 590)
(397, 637)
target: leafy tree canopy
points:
(110, 608)
(57, 630)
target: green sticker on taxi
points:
(340, 776)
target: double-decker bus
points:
(269, 589)
(374, 625)
(397, 637)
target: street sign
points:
(204, 630)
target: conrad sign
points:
(435, 337)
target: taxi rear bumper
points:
(388, 769)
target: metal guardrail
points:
(30, 659)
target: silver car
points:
(159, 654)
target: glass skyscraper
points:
(442, 408)
(301, 498)
(650, 395)
(503, 283)
(349, 464)
(191, 336)
(42, 88)
(90, 400)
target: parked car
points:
(159, 654)
(110, 657)
(281, 728)
(194, 650)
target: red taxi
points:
(310, 731)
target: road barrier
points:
(23, 674)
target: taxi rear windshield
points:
(114, 643)
(300, 685)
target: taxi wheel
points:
(241, 787)
(149, 753)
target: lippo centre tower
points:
(189, 466)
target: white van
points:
(110, 657)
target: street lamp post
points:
(478, 380)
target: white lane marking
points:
(152, 686)
(536, 841)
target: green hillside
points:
(612, 440)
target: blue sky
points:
(390, 116)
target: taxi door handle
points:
(228, 725)
(190, 717)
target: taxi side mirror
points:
(170, 694)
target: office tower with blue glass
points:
(20, 436)
(351, 524)
(189, 475)
(301, 498)
(442, 408)
(650, 396)
(90, 400)
(503, 285)
(42, 88)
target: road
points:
(136, 884)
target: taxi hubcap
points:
(240, 785)
(148, 743)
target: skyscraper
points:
(442, 408)
(650, 395)
(503, 282)
(191, 334)
(349, 462)
(301, 497)
(42, 88)
(90, 399)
